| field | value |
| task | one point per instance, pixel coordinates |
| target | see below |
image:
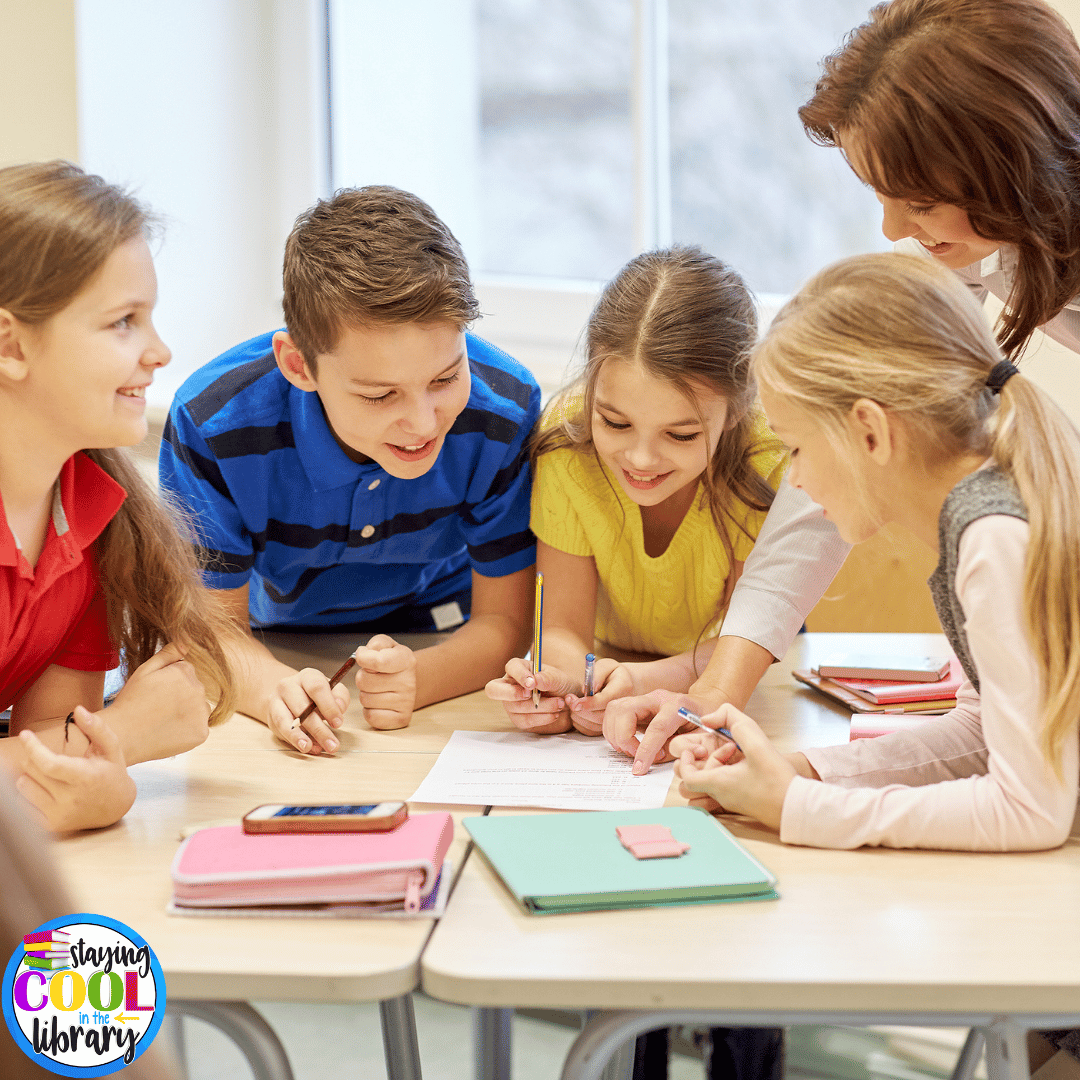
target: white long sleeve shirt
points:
(797, 554)
(974, 779)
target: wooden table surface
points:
(123, 871)
(858, 932)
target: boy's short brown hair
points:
(369, 256)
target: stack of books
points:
(932, 694)
(47, 950)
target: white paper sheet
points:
(557, 772)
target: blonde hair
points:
(689, 320)
(903, 332)
(58, 225)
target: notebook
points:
(833, 689)
(556, 863)
(882, 692)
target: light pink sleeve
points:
(963, 781)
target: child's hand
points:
(162, 709)
(611, 680)
(292, 696)
(386, 680)
(753, 783)
(514, 690)
(701, 747)
(77, 792)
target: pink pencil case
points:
(225, 867)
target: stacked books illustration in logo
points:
(48, 950)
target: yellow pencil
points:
(538, 619)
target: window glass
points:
(556, 144)
(747, 184)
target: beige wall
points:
(38, 92)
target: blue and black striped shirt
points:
(325, 541)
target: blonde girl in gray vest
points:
(884, 379)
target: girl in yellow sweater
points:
(653, 474)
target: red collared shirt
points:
(54, 612)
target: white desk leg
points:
(491, 1042)
(172, 1027)
(253, 1036)
(968, 1060)
(1006, 1051)
(399, 1038)
(620, 1065)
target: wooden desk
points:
(869, 936)
(123, 871)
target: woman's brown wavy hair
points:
(974, 103)
(689, 320)
(58, 225)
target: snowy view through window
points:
(557, 147)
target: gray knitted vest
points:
(978, 495)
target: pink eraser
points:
(650, 841)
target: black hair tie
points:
(1000, 374)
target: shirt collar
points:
(85, 499)
(1003, 262)
(993, 263)
(326, 464)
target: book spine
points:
(47, 935)
(46, 965)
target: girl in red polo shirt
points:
(91, 565)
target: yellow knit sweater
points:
(643, 604)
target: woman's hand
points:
(77, 792)
(658, 714)
(514, 690)
(753, 782)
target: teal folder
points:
(575, 862)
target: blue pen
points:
(590, 661)
(686, 714)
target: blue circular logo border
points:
(110, 1067)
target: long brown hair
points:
(58, 225)
(974, 103)
(689, 320)
(906, 333)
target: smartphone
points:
(311, 818)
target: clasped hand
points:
(562, 705)
(749, 778)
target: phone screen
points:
(322, 811)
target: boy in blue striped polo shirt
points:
(364, 469)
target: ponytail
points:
(906, 333)
(1035, 443)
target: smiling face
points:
(392, 393)
(89, 365)
(943, 230)
(818, 467)
(649, 435)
